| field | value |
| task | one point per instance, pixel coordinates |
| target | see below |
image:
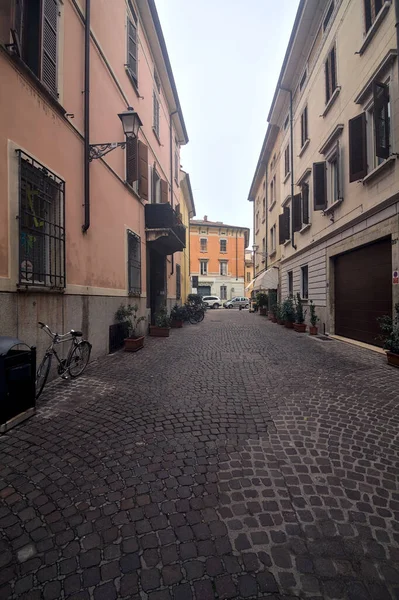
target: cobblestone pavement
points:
(236, 459)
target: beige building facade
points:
(336, 112)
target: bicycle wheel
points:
(42, 373)
(194, 318)
(201, 315)
(79, 359)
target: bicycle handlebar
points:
(53, 335)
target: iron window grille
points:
(41, 225)
(134, 263)
(178, 282)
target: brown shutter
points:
(164, 191)
(357, 148)
(132, 169)
(143, 170)
(286, 215)
(49, 41)
(132, 48)
(327, 76)
(281, 238)
(319, 186)
(333, 70)
(305, 203)
(296, 213)
(381, 119)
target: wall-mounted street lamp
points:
(131, 124)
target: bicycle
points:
(71, 366)
(194, 313)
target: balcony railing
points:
(164, 229)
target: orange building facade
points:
(217, 257)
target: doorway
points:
(157, 282)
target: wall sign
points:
(395, 277)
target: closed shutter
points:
(286, 215)
(305, 203)
(132, 49)
(143, 170)
(381, 119)
(132, 163)
(357, 148)
(327, 76)
(18, 23)
(281, 238)
(164, 191)
(49, 40)
(319, 186)
(134, 263)
(296, 213)
(367, 14)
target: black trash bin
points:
(17, 382)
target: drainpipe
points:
(86, 92)
(171, 172)
(397, 27)
(291, 161)
(236, 255)
(267, 217)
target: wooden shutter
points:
(49, 44)
(333, 70)
(132, 48)
(297, 213)
(281, 238)
(143, 170)
(132, 163)
(319, 186)
(367, 14)
(357, 148)
(381, 119)
(164, 191)
(327, 76)
(305, 203)
(286, 215)
(18, 24)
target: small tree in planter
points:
(390, 334)
(162, 324)
(177, 316)
(279, 314)
(274, 312)
(262, 301)
(313, 319)
(128, 314)
(288, 310)
(299, 325)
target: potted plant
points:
(274, 311)
(390, 334)
(262, 301)
(299, 325)
(128, 314)
(177, 316)
(313, 319)
(162, 324)
(279, 314)
(288, 310)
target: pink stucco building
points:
(79, 236)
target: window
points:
(223, 245)
(379, 125)
(287, 160)
(204, 267)
(204, 245)
(155, 122)
(157, 81)
(263, 249)
(286, 122)
(41, 225)
(272, 191)
(371, 10)
(328, 15)
(305, 202)
(330, 68)
(223, 292)
(36, 28)
(304, 126)
(264, 207)
(273, 238)
(290, 283)
(284, 222)
(248, 276)
(178, 282)
(176, 166)
(303, 79)
(132, 49)
(223, 267)
(333, 175)
(257, 221)
(156, 187)
(304, 282)
(134, 263)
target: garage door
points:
(204, 290)
(363, 291)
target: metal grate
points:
(117, 333)
(178, 282)
(41, 225)
(134, 263)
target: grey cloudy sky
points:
(226, 56)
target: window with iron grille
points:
(305, 282)
(134, 263)
(290, 283)
(36, 29)
(178, 282)
(41, 225)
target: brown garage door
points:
(363, 291)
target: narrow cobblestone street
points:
(236, 459)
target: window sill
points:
(133, 82)
(286, 243)
(333, 207)
(34, 289)
(286, 200)
(331, 100)
(273, 253)
(372, 31)
(305, 145)
(273, 204)
(157, 136)
(305, 228)
(286, 178)
(388, 162)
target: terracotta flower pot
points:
(313, 330)
(263, 311)
(300, 327)
(288, 324)
(280, 322)
(273, 319)
(176, 324)
(270, 316)
(393, 359)
(133, 344)
(159, 331)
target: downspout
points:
(291, 161)
(86, 92)
(397, 28)
(171, 172)
(237, 255)
(267, 217)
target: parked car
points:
(212, 301)
(236, 302)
